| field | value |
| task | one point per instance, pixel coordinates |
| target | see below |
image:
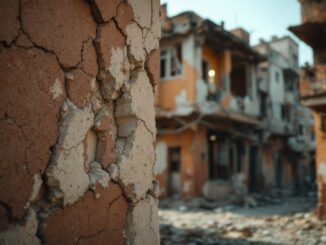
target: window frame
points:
(168, 57)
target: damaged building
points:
(215, 116)
(287, 136)
(313, 85)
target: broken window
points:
(171, 62)
(239, 78)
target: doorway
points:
(278, 170)
(253, 163)
(174, 178)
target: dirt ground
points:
(273, 219)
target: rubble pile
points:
(288, 221)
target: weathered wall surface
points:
(77, 121)
(320, 167)
(193, 169)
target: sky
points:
(261, 18)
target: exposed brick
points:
(31, 97)
(60, 26)
(100, 220)
(9, 23)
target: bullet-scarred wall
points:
(77, 121)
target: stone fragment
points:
(79, 87)
(98, 175)
(113, 170)
(100, 219)
(29, 127)
(62, 32)
(22, 234)
(104, 11)
(152, 66)
(143, 223)
(9, 23)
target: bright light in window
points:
(212, 137)
(211, 73)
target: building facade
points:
(313, 85)
(213, 129)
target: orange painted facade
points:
(321, 166)
(193, 171)
(167, 90)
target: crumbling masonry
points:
(77, 121)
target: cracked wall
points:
(320, 167)
(77, 119)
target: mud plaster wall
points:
(77, 121)
(320, 167)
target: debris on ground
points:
(265, 220)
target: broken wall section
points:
(77, 121)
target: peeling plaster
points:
(22, 234)
(135, 42)
(137, 162)
(142, 12)
(161, 158)
(56, 90)
(67, 173)
(143, 223)
(36, 187)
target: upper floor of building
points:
(208, 70)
